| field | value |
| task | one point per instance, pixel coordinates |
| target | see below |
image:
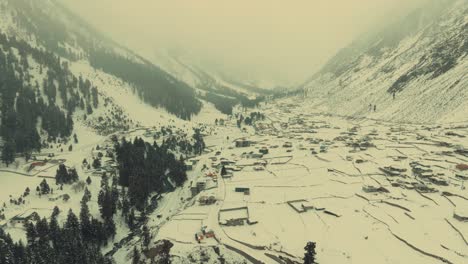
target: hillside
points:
(68, 97)
(57, 71)
(47, 25)
(413, 70)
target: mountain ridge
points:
(424, 68)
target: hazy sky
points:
(285, 41)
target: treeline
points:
(222, 103)
(225, 100)
(145, 168)
(154, 86)
(225, 103)
(26, 99)
(251, 103)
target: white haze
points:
(279, 41)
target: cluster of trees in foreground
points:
(78, 241)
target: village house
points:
(263, 150)
(207, 200)
(242, 143)
(244, 190)
(234, 222)
(197, 187)
(252, 155)
(199, 236)
(223, 162)
(259, 168)
(260, 163)
(24, 218)
(227, 175)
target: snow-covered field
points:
(349, 224)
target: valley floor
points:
(366, 191)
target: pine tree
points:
(6, 253)
(96, 163)
(73, 243)
(131, 219)
(114, 194)
(309, 256)
(8, 153)
(72, 224)
(44, 187)
(86, 196)
(26, 192)
(107, 199)
(86, 229)
(31, 233)
(136, 256)
(110, 227)
(55, 232)
(55, 212)
(42, 229)
(62, 175)
(146, 237)
(19, 253)
(73, 176)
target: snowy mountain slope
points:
(420, 61)
(122, 95)
(47, 25)
(57, 73)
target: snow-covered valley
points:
(110, 156)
